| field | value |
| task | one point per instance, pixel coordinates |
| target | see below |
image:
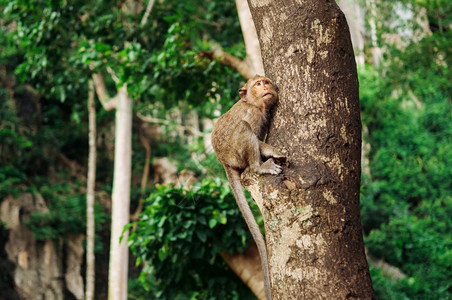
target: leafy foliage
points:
(407, 196)
(15, 145)
(158, 59)
(421, 248)
(178, 239)
(66, 214)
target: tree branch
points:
(389, 271)
(147, 12)
(113, 75)
(101, 91)
(145, 139)
(247, 266)
(229, 60)
(151, 119)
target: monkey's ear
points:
(242, 93)
(276, 88)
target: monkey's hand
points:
(268, 167)
(270, 151)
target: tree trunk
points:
(119, 253)
(91, 182)
(311, 212)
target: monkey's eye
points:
(266, 82)
(258, 83)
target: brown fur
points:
(237, 141)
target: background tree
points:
(120, 210)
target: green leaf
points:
(202, 236)
(163, 253)
(212, 223)
(223, 220)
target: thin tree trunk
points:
(252, 64)
(311, 212)
(145, 140)
(253, 50)
(119, 253)
(355, 20)
(147, 12)
(91, 182)
(377, 53)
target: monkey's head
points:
(259, 91)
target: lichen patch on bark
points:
(267, 31)
(323, 36)
(328, 195)
(304, 213)
(344, 133)
(288, 238)
(338, 166)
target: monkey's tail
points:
(236, 186)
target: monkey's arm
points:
(269, 151)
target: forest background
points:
(184, 215)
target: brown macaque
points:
(237, 141)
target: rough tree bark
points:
(311, 212)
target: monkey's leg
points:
(250, 151)
(268, 167)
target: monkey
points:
(237, 142)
